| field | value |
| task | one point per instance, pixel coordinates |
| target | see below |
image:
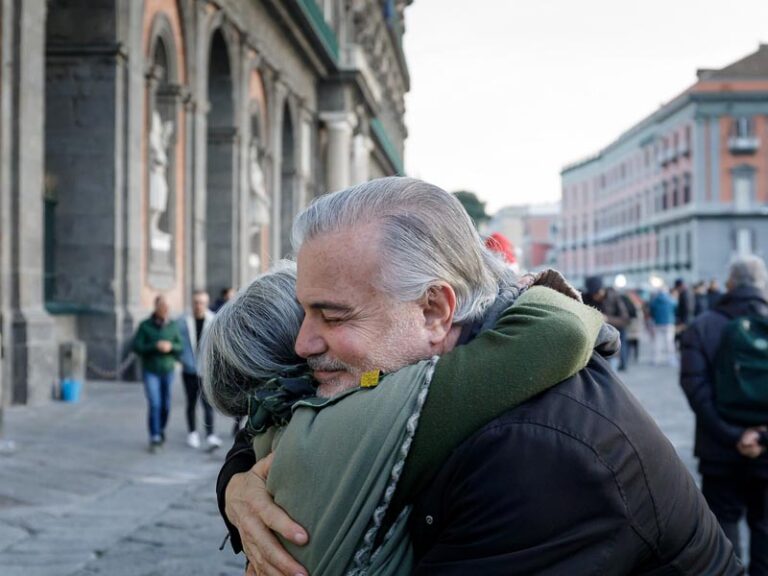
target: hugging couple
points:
(414, 408)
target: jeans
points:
(157, 388)
(729, 497)
(194, 391)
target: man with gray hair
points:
(579, 480)
(731, 409)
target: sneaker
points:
(193, 440)
(213, 442)
(155, 445)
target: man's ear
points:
(438, 305)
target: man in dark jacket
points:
(578, 481)
(158, 344)
(686, 304)
(732, 460)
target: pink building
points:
(681, 192)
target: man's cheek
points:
(350, 347)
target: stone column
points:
(31, 343)
(243, 120)
(276, 101)
(362, 148)
(128, 136)
(340, 127)
(198, 58)
(6, 97)
(188, 257)
(304, 161)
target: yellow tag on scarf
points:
(370, 379)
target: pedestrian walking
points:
(608, 301)
(662, 308)
(686, 306)
(193, 328)
(636, 326)
(158, 345)
(724, 371)
(225, 296)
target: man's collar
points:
(159, 321)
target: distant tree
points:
(474, 207)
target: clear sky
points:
(504, 93)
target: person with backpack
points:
(724, 374)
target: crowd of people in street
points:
(656, 317)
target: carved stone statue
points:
(259, 198)
(159, 139)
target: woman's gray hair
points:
(251, 339)
(748, 271)
(426, 237)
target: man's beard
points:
(391, 353)
(348, 378)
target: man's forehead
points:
(336, 268)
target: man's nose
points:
(309, 342)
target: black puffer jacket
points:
(716, 438)
(578, 481)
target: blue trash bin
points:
(70, 390)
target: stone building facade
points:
(680, 193)
(165, 145)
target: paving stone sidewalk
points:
(83, 496)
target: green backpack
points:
(741, 371)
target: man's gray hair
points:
(251, 339)
(748, 271)
(426, 237)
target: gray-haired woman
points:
(344, 464)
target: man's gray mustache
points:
(320, 364)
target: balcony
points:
(743, 144)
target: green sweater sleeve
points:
(544, 338)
